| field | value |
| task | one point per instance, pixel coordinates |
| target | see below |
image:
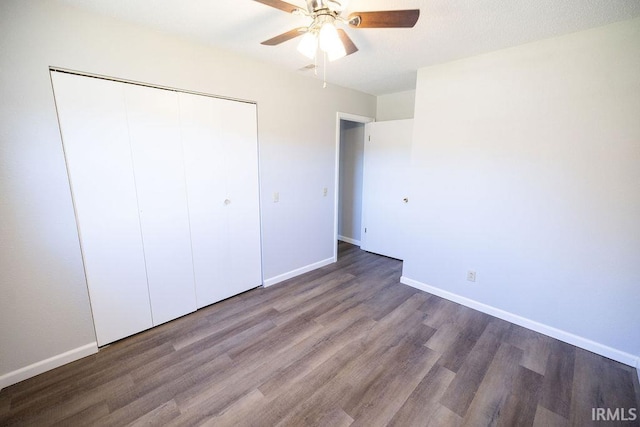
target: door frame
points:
(336, 192)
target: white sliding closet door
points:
(96, 144)
(205, 172)
(154, 129)
(165, 189)
(243, 213)
(221, 157)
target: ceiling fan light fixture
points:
(330, 41)
(308, 45)
(337, 53)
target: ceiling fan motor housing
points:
(330, 5)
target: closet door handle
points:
(227, 202)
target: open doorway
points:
(350, 176)
(350, 138)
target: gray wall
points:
(350, 198)
(44, 307)
(396, 106)
(526, 170)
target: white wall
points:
(526, 169)
(350, 198)
(396, 106)
(44, 308)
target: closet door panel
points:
(243, 213)
(160, 181)
(96, 144)
(220, 145)
(205, 168)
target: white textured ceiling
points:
(388, 58)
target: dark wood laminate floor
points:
(343, 345)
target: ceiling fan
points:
(322, 32)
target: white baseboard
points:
(578, 341)
(349, 240)
(47, 364)
(282, 277)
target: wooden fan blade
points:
(292, 34)
(385, 19)
(279, 4)
(349, 46)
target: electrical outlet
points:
(471, 276)
(276, 197)
(324, 191)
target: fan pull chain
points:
(315, 64)
(324, 77)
